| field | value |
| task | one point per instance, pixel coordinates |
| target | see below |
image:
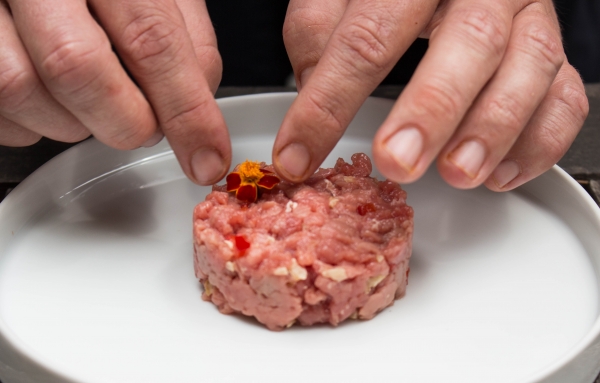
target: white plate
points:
(97, 283)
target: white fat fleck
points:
(291, 205)
(374, 281)
(290, 324)
(337, 274)
(230, 266)
(281, 271)
(208, 288)
(354, 315)
(333, 201)
(349, 178)
(330, 186)
(379, 258)
(229, 243)
(297, 272)
(270, 239)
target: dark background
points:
(251, 44)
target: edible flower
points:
(248, 178)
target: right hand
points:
(60, 78)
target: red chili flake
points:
(240, 243)
(366, 208)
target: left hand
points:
(493, 99)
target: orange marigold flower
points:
(248, 178)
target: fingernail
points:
(405, 147)
(155, 139)
(304, 77)
(468, 157)
(507, 171)
(295, 159)
(207, 166)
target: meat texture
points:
(334, 247)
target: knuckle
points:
(484, 28)
(127, 139)
(437, 101)
(305, 21)
(212, 65)
(568, 108)
(554, 140)
(368, 43)
(179, 123)
(504, 112)
(72, 63)
(153, 37)
(575, 101)
(16, 86)
(321, 110)
(543, 45)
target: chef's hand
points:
(494, 98)
(59, 77)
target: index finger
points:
(368, 41)
(156, 47)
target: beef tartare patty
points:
(334, 247)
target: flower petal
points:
(268, 181)
(234, 180)
(247, 193)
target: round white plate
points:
(97, 282)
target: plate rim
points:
(27, 355)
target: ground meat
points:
(334, 247)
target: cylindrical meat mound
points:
(334, 247)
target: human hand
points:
(494, 98)
(59, 77)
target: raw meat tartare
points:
(334, 247)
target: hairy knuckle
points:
(368, 42)
(484, 28)
(153, 37)
(437, 101)
(71, 62)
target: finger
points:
(12, 134)
(548, 134)
(532, 60)
(464, 51)
(306, 30)
(368, 41)
(153, 41)
(204, 41)
(74, 60)
(23, 98)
